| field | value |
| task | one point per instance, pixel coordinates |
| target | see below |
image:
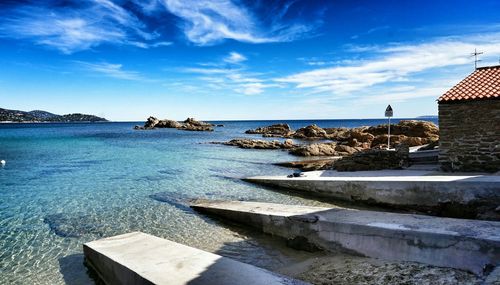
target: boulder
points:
(317, 149)
(409, 128)
(151, 123)
(193, 122)
(281, 130)
(310, 132)
(259, 144)
(168, 124)
(372, 160)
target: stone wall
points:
(470, 136)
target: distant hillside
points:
(43, 116)
(427, 117)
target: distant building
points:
(469, 123)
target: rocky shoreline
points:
(345, 149)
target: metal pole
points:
(389, 135)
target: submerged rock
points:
(177, 200)
(259, 144)
(73, 226)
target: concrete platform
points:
(463, 244)
(139, 258)
(397, 188)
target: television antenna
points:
(475, 54)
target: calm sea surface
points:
(66, 184)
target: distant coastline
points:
(39, 116)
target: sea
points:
(65, 184)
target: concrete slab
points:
(139, 258)
(398, 188)
(464, 244)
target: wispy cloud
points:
(235, 57)
(206, 22)
(77, 26)
(111, 70)
(394, 63)
(72, 26)
(221, 76)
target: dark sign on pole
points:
(388, 111)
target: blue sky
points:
(224, 59)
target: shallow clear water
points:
(66, 184)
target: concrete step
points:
(406, 189)
(464, 244)
(139, 258)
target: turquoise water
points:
(66, 184)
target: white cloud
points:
(112, 70)
(70, 30)
(219, 76)
(206, 22)
(235, 57)
(395, 63)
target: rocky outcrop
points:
(316, 149)
(259, 144)
(409, 128)
(374, 159)
(310, 132)
(324, 149)
(410, 132)
(282, 130)
(189, 124)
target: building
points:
(469, 123)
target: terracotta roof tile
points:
(483, 83)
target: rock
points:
(381, 140)
(310, 132)
(361, 136)
(259, 144)
(372, 160)
(310, 165)
(189, 124)
(168, 124)
(193, 122)
(409, 128)
(337, 134)
(317, 149)
(277, 129)
(151, 123)
(345, 149)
